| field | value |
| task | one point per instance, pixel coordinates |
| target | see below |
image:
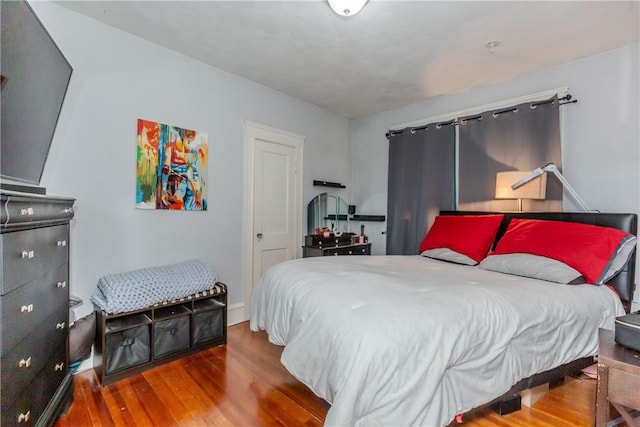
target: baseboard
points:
(236, 314)
(86, 363)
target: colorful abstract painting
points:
(172, 167)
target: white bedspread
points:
(406, 340)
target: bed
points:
(412, 340)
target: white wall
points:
(119, 78)
(601, 134)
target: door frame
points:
(252, 132)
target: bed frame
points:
(624, 282)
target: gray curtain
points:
(522, 138)
(421, 183)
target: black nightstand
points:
(618, 379)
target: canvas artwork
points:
(171, 168)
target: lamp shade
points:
(347, 7)
(534, 189)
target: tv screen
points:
(35, 76)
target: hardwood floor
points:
(244, 384)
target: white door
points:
(274, 209)
(276, 205)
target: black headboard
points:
(624, 282)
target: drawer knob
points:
(23, 418)
(28, 254)
(68, 210)
(60, 325)
(26, 211)
(59, 366)
(24, 363)
(61, 284)
(61, 243)
(26, 308)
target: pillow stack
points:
(557, 251)
(464, 239)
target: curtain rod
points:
(567, 99)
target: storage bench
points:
(131, 342)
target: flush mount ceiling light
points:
(347, 7)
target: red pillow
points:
(470, 235)
(587, 248)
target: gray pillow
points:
(534, 266)
(446, 254)
(619, 260)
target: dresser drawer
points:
(318, 241)
(29, 254)
(349, 250)
(30, 404)
(19, 210)
(44, 347)
(26, 307)
(360, 249)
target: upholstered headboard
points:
(624, 282)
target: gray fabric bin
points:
(170, 335)
(127, 348)
(207, 326)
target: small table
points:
(618, 379)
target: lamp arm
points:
(551, 167)
(534, 174)
(565, 184)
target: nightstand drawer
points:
(624, 388)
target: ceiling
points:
(391, 54)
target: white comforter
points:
(406, 340)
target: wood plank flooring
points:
(244, 384)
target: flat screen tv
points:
(35, 77)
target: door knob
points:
(259, 235)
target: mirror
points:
(326, 209)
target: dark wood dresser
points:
(329, 246)
(34, 324)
